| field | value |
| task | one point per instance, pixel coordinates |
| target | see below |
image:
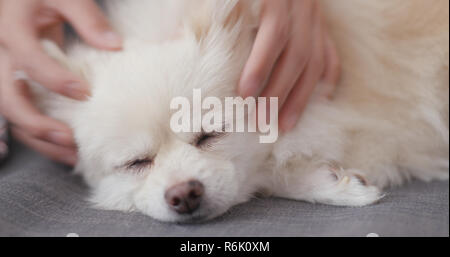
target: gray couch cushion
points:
(41, 198)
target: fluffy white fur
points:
(388, 123)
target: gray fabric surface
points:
(40, 198)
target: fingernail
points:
(112, 39)
(75, 90)
(59, 138)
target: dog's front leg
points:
(327, 184)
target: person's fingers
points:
(271, 39)
(293, 60)
(50, 74)
(298, 97)
(333, 67)
(17, 107)
(55, 34)
(89, 21)
(56, 153)
(4, 150)
(26, 51)
(45, 17)
(22, 113)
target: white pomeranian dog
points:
(388, 122)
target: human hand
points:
(22, 24)
(291, 54)
(4, 148)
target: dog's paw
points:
(345, 188)
(353, 190)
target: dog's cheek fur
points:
(227, 175)
(115, 192)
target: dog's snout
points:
(185, 198)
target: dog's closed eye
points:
(205, 139)
(139, 164)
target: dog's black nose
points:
(185, 197)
